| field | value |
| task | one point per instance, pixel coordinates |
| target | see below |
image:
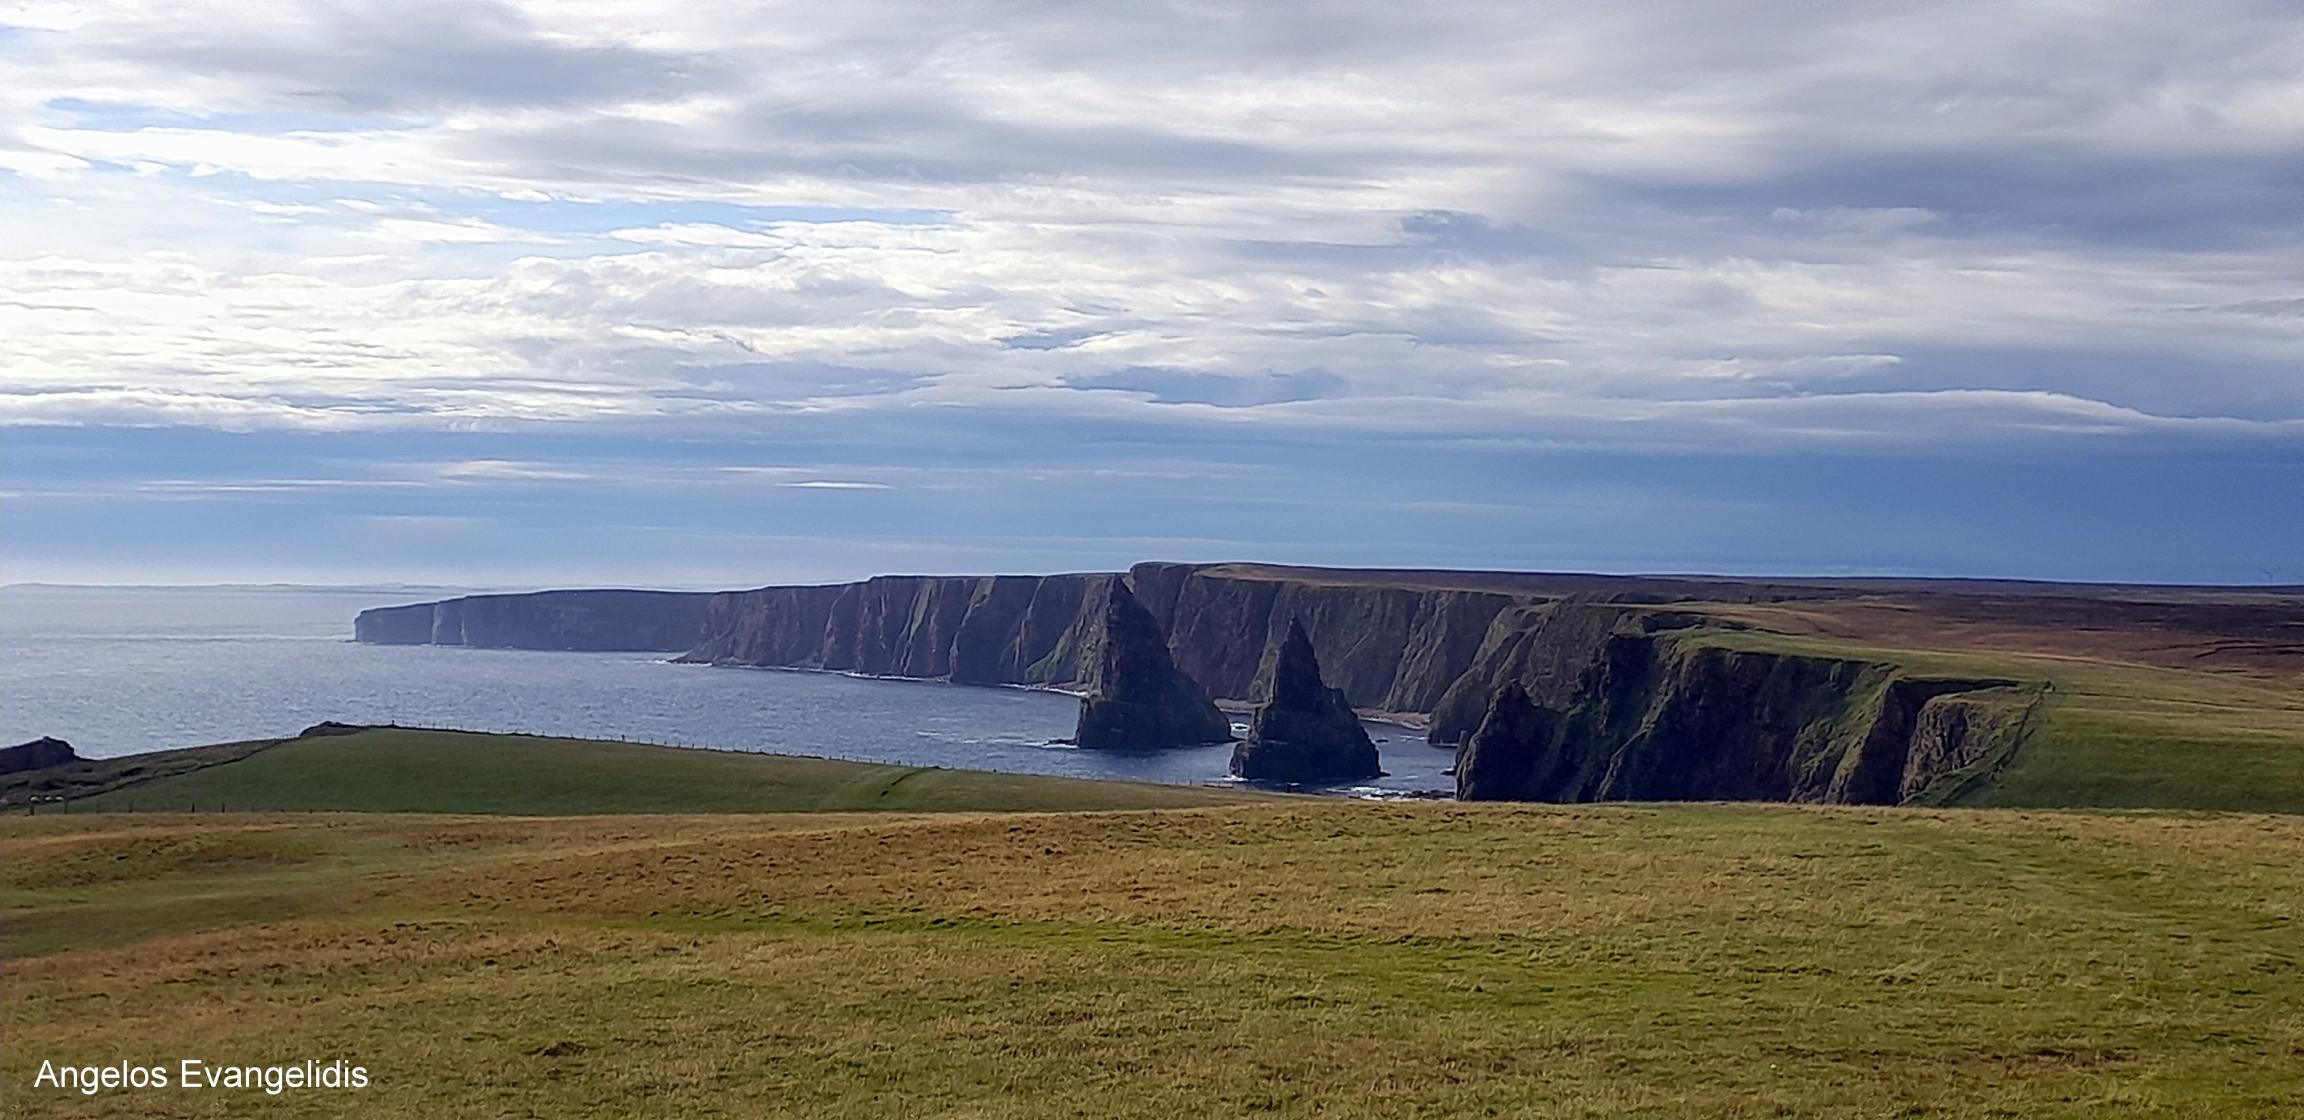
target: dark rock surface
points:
(1305, 731)
(1506, 758)
(1138, 699)
(39, 754)
(1391, 648)
(651, 621)
(1656, 718)
(969, 629)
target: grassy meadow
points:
(390, 769)
(1288, 958)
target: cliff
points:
(668, 621)
(39, 754)
(1632, 696)
(1659, 716)
(1038, 630)
(1392, 649)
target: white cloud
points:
(1872, 222)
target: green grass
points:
(403, 770)
(1290, 958)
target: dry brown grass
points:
(1302, 959)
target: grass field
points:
(402, 770)
(1290, 958)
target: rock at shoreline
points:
(1139, 699)
(1306, 732)
(1501, 760)
(39, 754)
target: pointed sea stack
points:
(1503, 759)
(1139, 699)
(1306, 732)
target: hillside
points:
(404, 770)
(1295, 958)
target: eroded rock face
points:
(1138, 699)
(39, 754)
(1509, 756)
(1657, 718)
(1306, 732)
(652, 621)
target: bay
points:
(118, 670)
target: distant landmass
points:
(1588, 687)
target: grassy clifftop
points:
(404, 770)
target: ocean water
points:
(124, 670)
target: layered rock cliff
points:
(562, 620)
(1392, 649)
(1038, 630)
(1660, 716)
(1627, 694)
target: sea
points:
(125, 670)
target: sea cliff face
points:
(1608, 690)
(1392, 649)
(1033, 630)
(1660, 715)
(669, 621)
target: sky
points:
(707, 293)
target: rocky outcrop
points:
(1659, 717)
(1305, 732)
(1137, 699)
(1508, 757)
(655, 621)
(39, 754)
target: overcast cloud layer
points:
(1587, 254)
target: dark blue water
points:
(124, 670)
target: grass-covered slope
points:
(1289, 959)
(405, 770)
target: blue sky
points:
(715, 294)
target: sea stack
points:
(1139, 699)
(39, 754)
(1502, 759)
(1306, 731)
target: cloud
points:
(1654, 225)
(506, 470)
